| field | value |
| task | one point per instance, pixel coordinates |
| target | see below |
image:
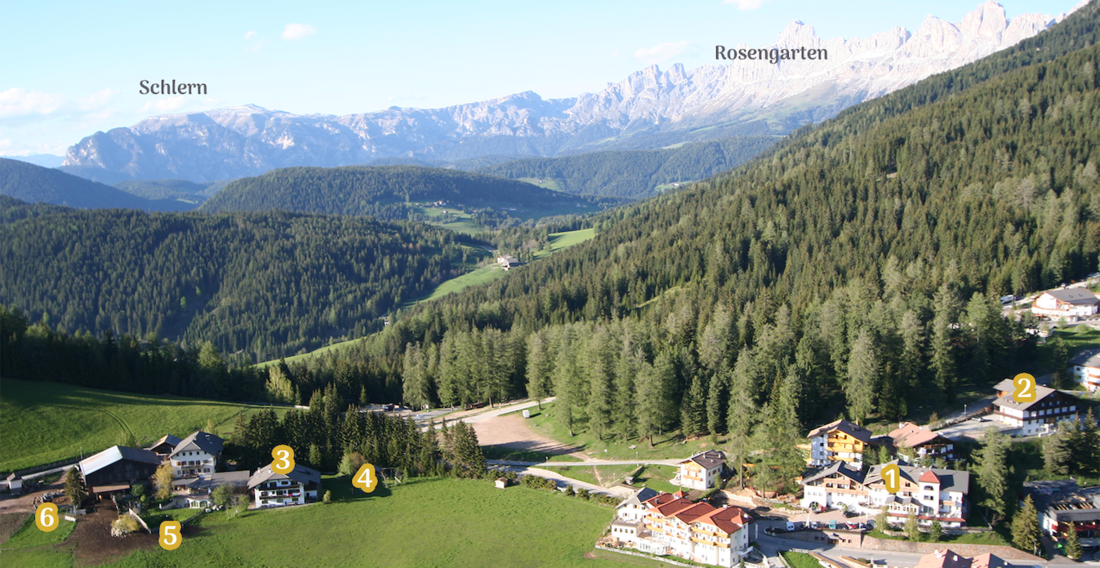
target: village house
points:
(1066, 302)
(277, 489)
(949, 559)
(930, 493)
(633, 510)
(1086, 368)
(840, 440)
(1063, 501)
(117, 468)
(700, 471)
(195, 492)
(924, 443)
(1041, 416)
(197, 454)
(164, 446)
(507, 261)
(696, 531)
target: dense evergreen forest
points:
(635, 174)
(854, 269)
(387, 192)
(35, 184)
(254, 284)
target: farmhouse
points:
(117, 468)
(700, 471)
(840, 440)
(1063, 501)
(697, 531)
(276, 489)
(924, 443)
(1040, 416)
(1066, 302)
(196, 454)
(1086, 368)
(507, 261)
(195, 491)
(930, 493)
(164, 446)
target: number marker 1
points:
(891, 475)
(1025, 388)
(365, 479)
(170, 537)
(284, 459)
(46, 517)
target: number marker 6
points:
(170, 537)
(1025, 388)
(46, 517)
(284, 459)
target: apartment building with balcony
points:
(675, 525)
(196, 455)
(273, 489)
(700, 471)
(840, 441)
(1040, 416)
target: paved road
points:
(585, 463)
(562, 481)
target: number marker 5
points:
(170, 537)
(365, 479)
(1025, 388)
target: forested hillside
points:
(854, 269)
(393, 192)
(35, 184)
(635, 174)
(264, 284)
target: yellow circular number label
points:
(365, 478)
(891, 476)
(170, 536)
(284, 459)
(46, 517)
(1025, 388)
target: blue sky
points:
(68, 69)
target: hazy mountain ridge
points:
(743, 97)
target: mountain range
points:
(649, 109)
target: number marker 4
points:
(891, 476)
(283, 459)
(1025, 388)
(170, 536)
(46, 517)
(365, 478)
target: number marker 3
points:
(891, 476)
(46, 517)
(365, 479)
(284, 459)
(170, 536)
(1025, 388)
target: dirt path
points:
(94, 544)
(511, 432)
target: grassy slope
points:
(442, 522)
(28, 536)
(42, 422)
(558, 241)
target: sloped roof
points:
(1077, 296)
(673, 507)
(947, 558)
(950, 480)
(1086, 358)
(728, 519)
(300, 473)
(709, 459)
(167, 439)
(693, 512)
(209, 483)
(200, 441)
(1041, 393)
(858, 432)
(910, 435)
(115, 454)
(660, 499)
(929, 477)
(644, 494)
(837, 467)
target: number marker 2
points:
(170, 536)
(1025, 388)
(891, 475)
(46, 517)
(284, 459)
(365, 479)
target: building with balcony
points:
(1066, 302)
(1062, 502)
(1086, 368)
(930, 493)
(696, 531)
(195, 492)
(700, 471)
(1040, 416)
(196, 455)
(840, 440)
(834, 487)
(921, 443)
(277, 489)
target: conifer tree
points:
(994, 472)
(1025, 527)
(912, 527)
(863, 378)
(74, 487)
(935, 533)
(1073, 542)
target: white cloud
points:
(298, 31)
(96, 100)
(167, 104)
(746, 4)
(21, 102)
(249, 34)
(661, 52)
